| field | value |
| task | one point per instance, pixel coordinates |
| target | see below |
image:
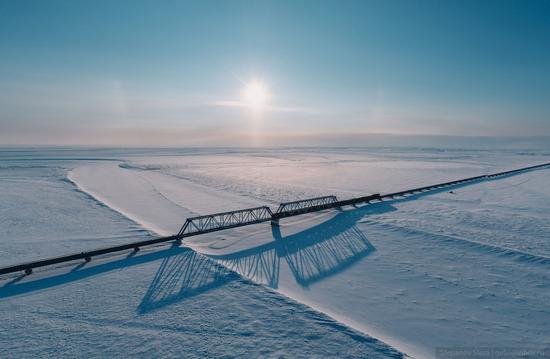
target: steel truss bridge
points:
(225, 220)
(248, 216)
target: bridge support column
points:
(275, 223)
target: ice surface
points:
(42, 214)
(158, 201)
(168, 303)
(467, 268)
(163, 301)
(286, 174)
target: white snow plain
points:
(461, 269)
(163, 301)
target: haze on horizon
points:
(270, 72)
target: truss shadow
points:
(182, 276)
(319, 259)
(312, 255)
(182, 273)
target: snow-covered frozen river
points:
(467, 268)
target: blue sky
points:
(174, 72)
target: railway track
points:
(243, 217)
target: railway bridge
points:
(248, 216)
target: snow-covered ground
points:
(42, 214)
(163, 301)
(463, 269)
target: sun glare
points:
(255, 95)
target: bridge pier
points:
(275, 222)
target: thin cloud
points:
(271, 108)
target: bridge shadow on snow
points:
(313, 254)
(183, 273)
(181, 276)
(82, 271)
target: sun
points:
(255, 95)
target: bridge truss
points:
(225, 220)
(304, 205)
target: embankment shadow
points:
(313, 254)
(79, 272)
(183, 273)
